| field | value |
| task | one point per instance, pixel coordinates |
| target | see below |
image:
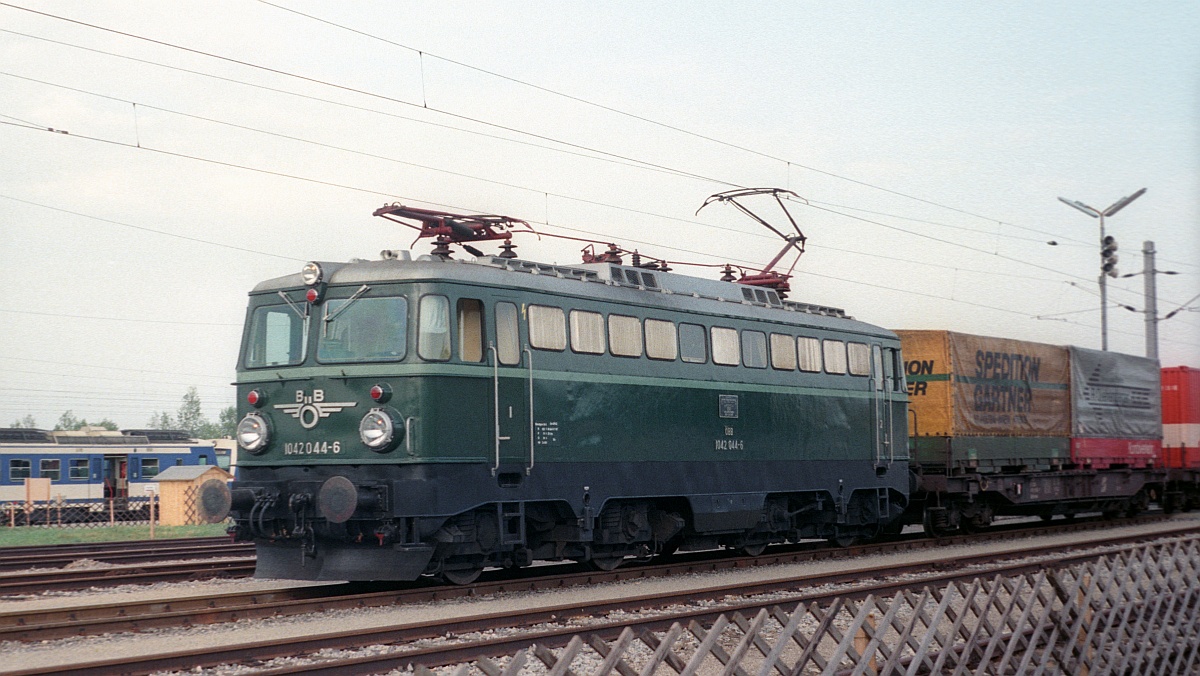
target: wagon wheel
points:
(606, 562)
(754, 550)
(461, 576)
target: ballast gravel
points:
(65, 652)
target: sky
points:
(160, 159)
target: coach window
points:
(50, 468)
(19, 468)
(809, 351)
(508, 337)
(860, 359)
(783, 352)
(587, 332)
(277, 337)
(433, 341)
(149, 468)
(725, 348)
(693, 346)
(661, 342)
(754, 349)
(625, 336)
(547, 328)
(470, 329)
(363, 329)
(835, 356)
(78, 469)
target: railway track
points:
(49, 624)
(55, 556)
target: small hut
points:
(179, 488)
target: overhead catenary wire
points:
(371, 191)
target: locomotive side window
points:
(19, 468)
(547, 328)
(809, 350)
(149, 468)
(896, 368)
(277, 337)
(508, 337)
(835, 356)
(470, 329)
(625, 335)
(433, 339)
(364, 329)
(783, 352)
(587, 332)
(50, 468)
(860, 359)
(725, 346)
(692, 345)
(660, 339)
(78, 470)
(754, 349)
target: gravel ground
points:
(68, 651)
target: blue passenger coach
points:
(93, 463)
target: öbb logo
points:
(310, 408)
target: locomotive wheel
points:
(843, 539)
(462, 575)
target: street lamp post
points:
(1108, 248)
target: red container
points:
(1104, 453)
(1181, 416)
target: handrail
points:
(529, 362)
(408, 434)
(495, 402)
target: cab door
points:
(511, 373)
(881, 394)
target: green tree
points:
(190, 417)
(161, 421)
(27, 422)
(225, 426)
(67, 421)
(106, 424)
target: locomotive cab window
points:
(433, 338)
(277, 337)
(809, 352)
(470, 330)
(725, 347)
(19, 468)
(859, 359)
(508, 338)
(547, 328)
(879, 373)
(834, 352)
(587, 332)
(660, 340)
(625, 336)
(692, 345)
(754, 349)
(783, 352)
(50, 468)
(363, 329)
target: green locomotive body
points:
(409, 417)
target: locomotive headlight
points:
(253, 433)
(311, 273)
(378, 430)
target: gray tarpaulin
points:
(1114, 395)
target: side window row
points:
(48, 468)
(628, 336)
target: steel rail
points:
(52, 624)
(58, 580)
(717, 595)
(135, 552)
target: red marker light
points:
(312, 295)
(255, 398)
(381, 393)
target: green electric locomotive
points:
(438, 416)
